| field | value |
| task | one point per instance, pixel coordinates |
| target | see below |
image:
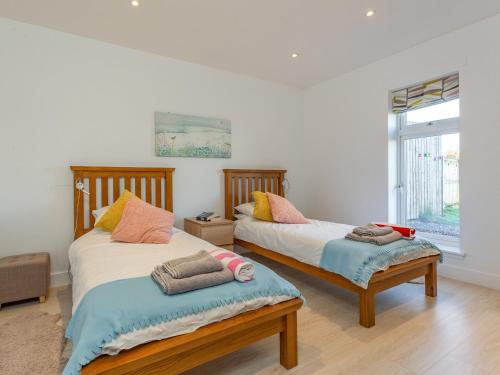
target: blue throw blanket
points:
(122, 306)
(358, 261)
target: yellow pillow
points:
(112, 217)
(262, 210)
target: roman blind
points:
(426, 94)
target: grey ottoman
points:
(24, 276)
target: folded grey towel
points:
(175, 286)
(199, 255)
(377, 240)
(372, 230)
(197, 264)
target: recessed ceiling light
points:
(370, 13)
(135, 3)
(295, 55)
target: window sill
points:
(450, 248)
(451, 251)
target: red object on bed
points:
(407, 232)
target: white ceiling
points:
(257, 37)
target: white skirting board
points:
(468, 275)
(59, 278)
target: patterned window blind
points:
(426, 94)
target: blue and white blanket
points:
(121, 306)
(358, 261)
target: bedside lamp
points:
(81, 187)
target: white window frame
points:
(419, 130)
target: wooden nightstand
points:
(218, 232)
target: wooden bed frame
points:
(239, 183)
(179, 353)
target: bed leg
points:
(431, 280)
(367, 307)
(288, 341)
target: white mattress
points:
(304, 242)
(96, 260)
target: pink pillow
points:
(144, 223)
(284, 212)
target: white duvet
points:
(304, 242)
(96, 260)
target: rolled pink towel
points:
(243, 271)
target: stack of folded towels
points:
(202, 270)
(375, 234)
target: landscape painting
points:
(189, 136)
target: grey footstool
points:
(24, 276)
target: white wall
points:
(346, 141)
(69, 100)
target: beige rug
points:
(31, 343)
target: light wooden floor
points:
(457, 333)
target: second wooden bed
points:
(239, 183)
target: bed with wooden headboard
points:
(105, 184)
(239, 183)
(179, 353)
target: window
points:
(437, 112)
(429, 165)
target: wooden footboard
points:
(379, 282)
(181, 353)
(392, 277)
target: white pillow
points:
(99, 213)
(241, 216)
(246, 208)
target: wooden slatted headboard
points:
(239, 184)
(105, 184)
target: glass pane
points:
(431, 183)
(436, 112)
